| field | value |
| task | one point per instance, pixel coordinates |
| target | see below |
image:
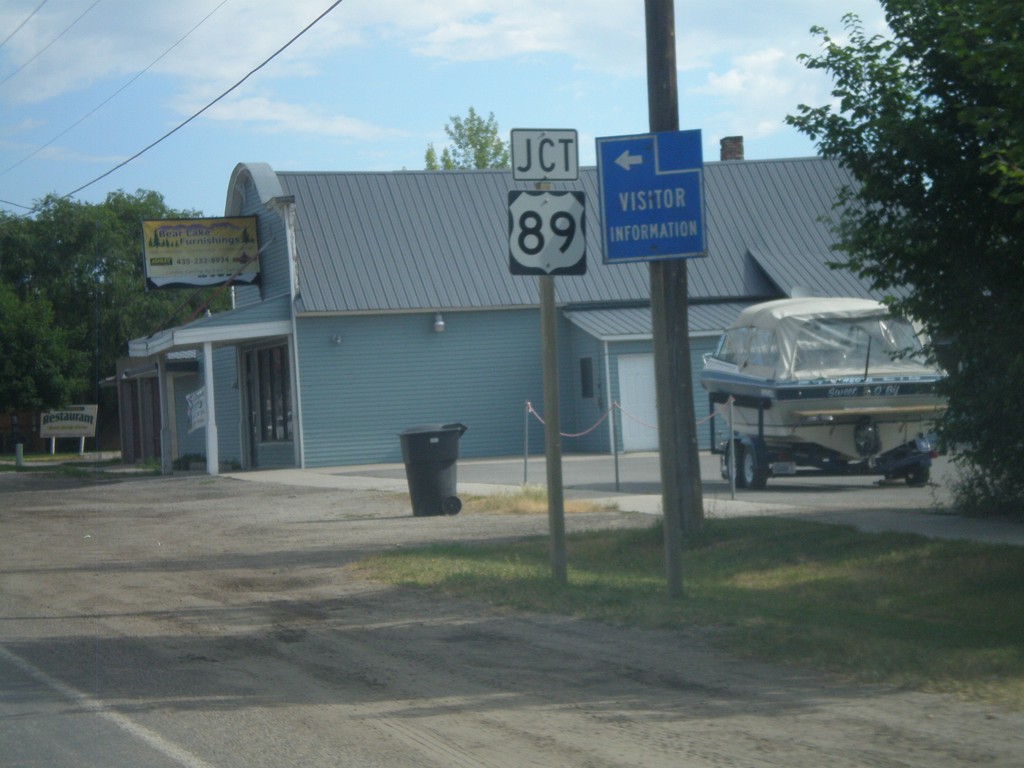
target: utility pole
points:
(682, 496)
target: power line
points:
(46, 47)
(17, 205)
(188, 120)
(112, 96)
(26, 21)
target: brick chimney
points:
(732, 148)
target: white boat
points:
(836, 384)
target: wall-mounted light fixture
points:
(335, 340)
(438, 323)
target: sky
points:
(85, 85)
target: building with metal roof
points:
(386, 301)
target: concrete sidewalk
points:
(904, 513)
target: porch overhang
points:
(186, 337)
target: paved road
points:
(633, 482)
(48, 723)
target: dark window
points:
(587, 378)
(273, 385)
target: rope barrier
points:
(531, 410)
(631, 417)
(719, 411)
(604, 417)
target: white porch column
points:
(212, 445)
(166, 421)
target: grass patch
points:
(79, 469)
(529, 500)
(72, 464)
(888, 608)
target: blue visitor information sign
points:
(652, 196)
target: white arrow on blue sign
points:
(652, 196)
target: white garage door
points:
(639, 403)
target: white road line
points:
(179, 755)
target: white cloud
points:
(295, 119)
(120, 38)
(763, 75)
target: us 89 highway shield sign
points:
(547, 233)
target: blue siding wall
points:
(392, 372)
(585, 412)
(228, 404)
(273, 251)
(698, 348)
(189, 443)
(280, 455)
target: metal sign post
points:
(547, 236)
(552, 429)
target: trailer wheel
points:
(918, 476)
(750, 473)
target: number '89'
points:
(531, 231)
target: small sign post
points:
(546, 237)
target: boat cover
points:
(822, 339)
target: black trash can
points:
(430, 452)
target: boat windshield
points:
(732, 346)
(829, 347)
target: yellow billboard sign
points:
(200, 251)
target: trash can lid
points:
(430, 428)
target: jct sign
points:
(544, 155)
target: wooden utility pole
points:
(682, 496)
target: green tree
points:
(38, 370)
(84, 262)
(929, 123)
(475, 143)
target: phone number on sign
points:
(202, 261)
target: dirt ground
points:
(212, 617)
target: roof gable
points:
(424, 240)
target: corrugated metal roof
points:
(423, 240)
(635, 323)
(269, 310)
(613, 324)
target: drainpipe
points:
(608, 390)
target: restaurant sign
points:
(73, 421)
